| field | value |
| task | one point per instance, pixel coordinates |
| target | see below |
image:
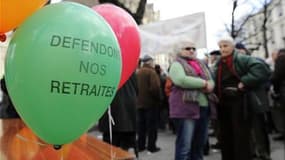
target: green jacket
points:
(179, 78)
(254, 73)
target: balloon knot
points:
(3, 37)
(57, 147)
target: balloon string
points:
(61, 155)
(28, 140)
(111, 122)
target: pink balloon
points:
(127, 33)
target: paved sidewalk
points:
(166, 142)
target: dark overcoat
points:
(123, 108)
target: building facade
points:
(277, 25)
(253, 36)
(89, 3)
(150, 14)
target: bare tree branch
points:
(227, 28)
(140, 11)
(242, 24)
(117, 3)
(233, 34)
(243, 39)
(264, 12)
(138, 16)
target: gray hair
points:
(181, 45)
(226, 39)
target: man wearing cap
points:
(214, 56)
(242, 49)
(260, 138)
(148, 102)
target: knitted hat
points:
(146, 58)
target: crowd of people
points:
(231, 92)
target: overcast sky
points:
(218, 13)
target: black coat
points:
(278, 77)
(254, 73)
(123, 109)
(7, 109)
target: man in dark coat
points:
(260, 138)
(278, 80)
(148, 105)
(7, 109)
(123, 111)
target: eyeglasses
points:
(190, 48)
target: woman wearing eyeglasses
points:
(189, 102)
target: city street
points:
(166, 142)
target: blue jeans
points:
(191, 136)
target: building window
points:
(272, 36)
(282, 29)
(280, 11)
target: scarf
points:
(195, 65)
(228, 60)
(195, 68)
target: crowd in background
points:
(239, 97)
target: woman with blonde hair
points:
(189, 101)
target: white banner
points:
(160, 37)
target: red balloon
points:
(127, 33)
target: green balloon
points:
(62, 70)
